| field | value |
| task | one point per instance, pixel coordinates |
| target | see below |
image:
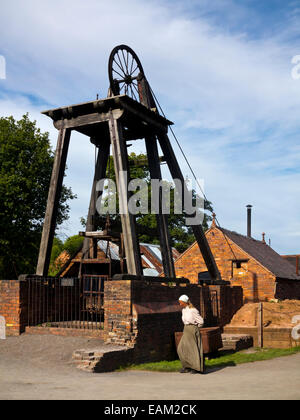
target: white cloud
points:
(232, 97)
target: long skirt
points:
(190, 349)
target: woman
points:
(190, 350)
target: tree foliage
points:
(26, 161)
(181, 235)
(71, 245)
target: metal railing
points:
(66, 302)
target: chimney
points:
(249, 207)
(263, 238)
(213, 223)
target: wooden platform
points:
(88, 117)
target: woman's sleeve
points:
(198, 318)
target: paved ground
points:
(40, 367)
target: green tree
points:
(71, 245)
(26, 161)
(181, 235)
(57, 248)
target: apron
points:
(190, 349)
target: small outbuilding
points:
(252, 264)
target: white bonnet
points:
(184, 298)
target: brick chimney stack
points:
(213, 223)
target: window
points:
(239, 268)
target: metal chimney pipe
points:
(249, 209)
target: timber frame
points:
(111, 122)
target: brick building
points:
(295, 260)
(244, 261)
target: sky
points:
(226, 72)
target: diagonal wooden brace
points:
(176, 173)
(54, 194)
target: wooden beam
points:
(119, 150)
(100, 173)
(84, 120)
(147, 117)
(260, 326)
(54, 194)
(176, 173)
(162, 219)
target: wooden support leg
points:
(53, 201)
(100, 173)
(162, 219)
(197, 229)
(119, 150)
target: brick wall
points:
(258, 283)
(13, 305)
(277, 338)
(145, 316)
(286, 289)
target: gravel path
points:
(39, 367)
(46, 351)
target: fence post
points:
(260, 325)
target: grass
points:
(224, 358)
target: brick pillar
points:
(118, 323)
(13, 305)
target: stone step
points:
(236, 342)
(104, 359)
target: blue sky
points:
(221, 70)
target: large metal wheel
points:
(125, 70)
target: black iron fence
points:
(66, 302)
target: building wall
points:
(145, 316)
(276, 338)
(257, 282)
(286, 289)
(13, 305)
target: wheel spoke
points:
(119, 66)
(132, 61)
(135, 69)
(117, 73)
(136, 88)
(124, 61)
(121, 63)
(133, 93)
(127, 60)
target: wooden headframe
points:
(112, 122)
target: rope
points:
(191, 169)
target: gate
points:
(66, 302)
(209, 307)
